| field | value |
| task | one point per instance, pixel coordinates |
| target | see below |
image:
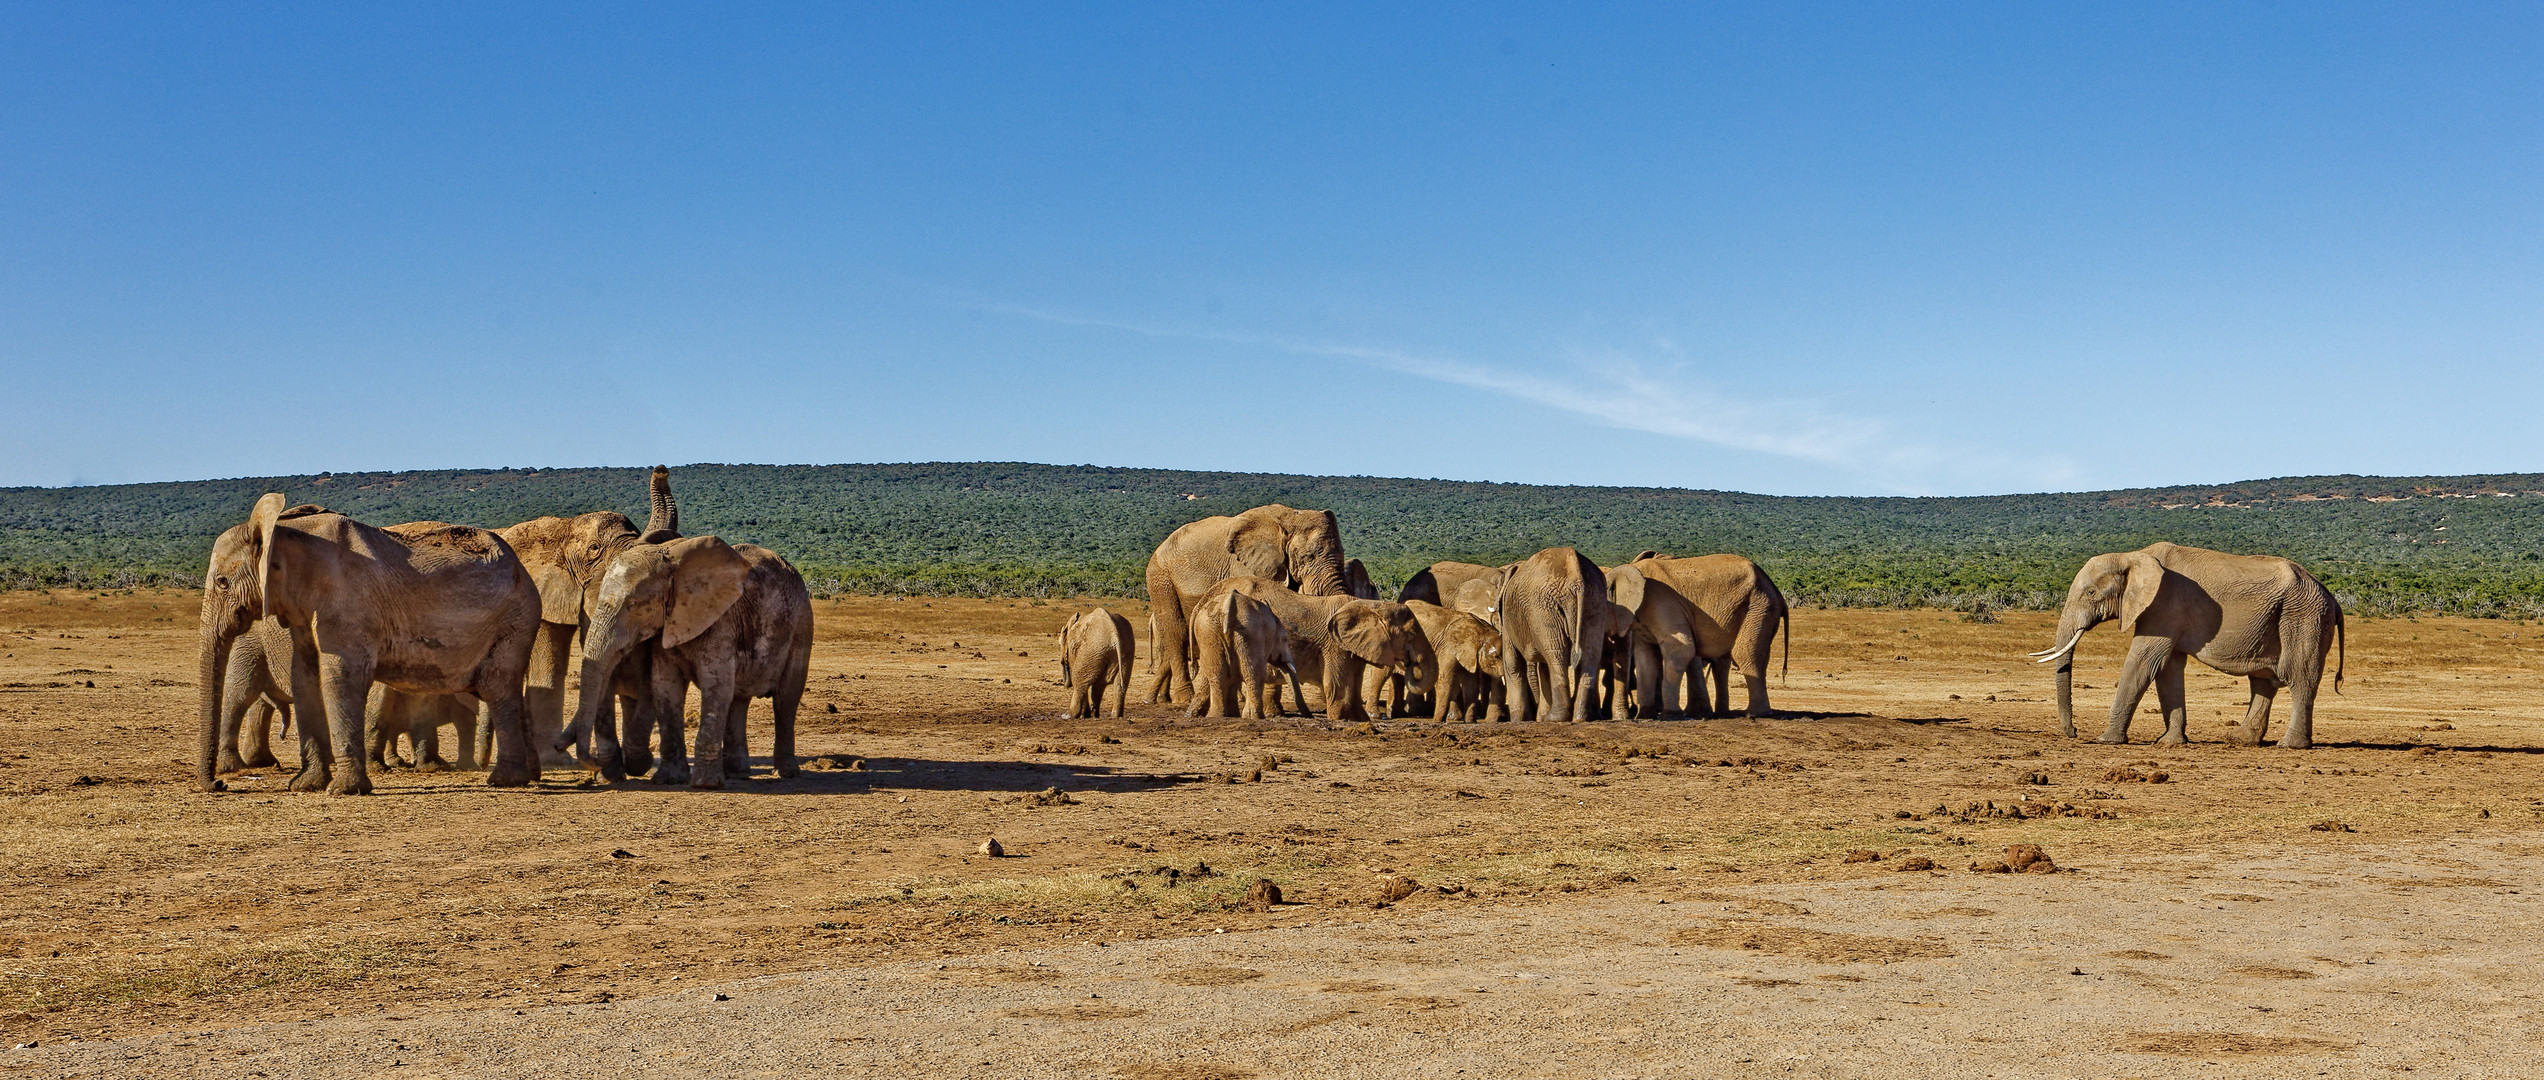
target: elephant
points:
(255, 684)
(1356, 580)
(566, 557)
(2259, 616)
(1701, 614)
(1466, 660)
(1439, 582)
(1238, 643)
(1618, 634)
(1096, 650)
(734, 619)
(1302, 549)
(424, 607)
(1335, 635)
(419, 717)
(1550, 608)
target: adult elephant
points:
(566, 557)
(255, 689)
(2259, 616)
(1550, 608)
(423, 607)
(733, 619)
(1301, 549)
(1709, 613)
(1439, 582)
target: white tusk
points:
(2061, 650)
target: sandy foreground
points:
(1620, 899)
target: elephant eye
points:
(220, 583)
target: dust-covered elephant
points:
(566, 557)
(1466, 660)
(424, 607)
(1708, 613)
(420, 718)
(1239, 645)
(1300, 549)
(733, 619)
(1439, 582)
(1550, 608)
(1335, 636)
(255, 691)
(1096, 649)
(2259, 616)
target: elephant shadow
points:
(829, 774)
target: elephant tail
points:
(2341, 634)
(1784, 674)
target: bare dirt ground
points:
(1614, 899)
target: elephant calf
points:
(255, 689)
(1238, 643)
(1096, 650)
(1466, 660)
(421, 718)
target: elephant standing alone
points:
(2258, 616)
(1096, 649)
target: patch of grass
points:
(92, 982)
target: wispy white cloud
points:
(1668, 396)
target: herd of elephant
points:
(1239, 604)
(356, 635)
(359, 635)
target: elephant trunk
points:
(2071, 627)
(2067, 695)
(212, 662)
(1322, 575)
(665, 514)
(605, 645)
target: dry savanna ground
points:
(140, 909)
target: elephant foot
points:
(2293, 743)
(210, 785)
(310, 780)
(2171, 739)
(511, 774)
(639, 762)
(433, 765)
(787, 770)
(262, 759)
(2066, 731)
(2113, 740)
(350, 784)
(670, 774)
(709, 776)
(229, 763)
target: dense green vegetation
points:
(2466, 545)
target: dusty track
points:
(139, 907)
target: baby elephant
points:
(1238, 649)
(1096, 650)
(420, 717)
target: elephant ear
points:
(1361, 631)
(560, 594)
(706, 578)
(260, 524)
(1646, 554)
(2146, 577)
(1625, 586)
(1260, 548)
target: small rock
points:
(990, 848)
(719, 997)
(623, 853)
(1915, 862)
(1255, 777)
(1263, 895)
(2331, 826)
(2021, 858)
(831, 707)
(1863, 855)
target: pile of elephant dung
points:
(137, 903)
(2019, 859)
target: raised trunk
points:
(665, 514)
(212, 661)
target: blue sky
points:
(1842, 249)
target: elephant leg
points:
(2257, 711)
(2300, 733)
(258, 732)
(1077, 701)
(737, 738)
(543, 694)
(1583, 683)
(238, 696)
(715, 696)
(345, 679)
(2169, 696)
(1444, 703)
(782, 709)
(464, 740)
(2147, 655)
(428, 749)
(1660, 684)
(516, 761)
(309, 701)
(669, 703)
(606, 754)
(1718, 672)
(636, 719)
(485, 737)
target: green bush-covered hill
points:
(2465, 544)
